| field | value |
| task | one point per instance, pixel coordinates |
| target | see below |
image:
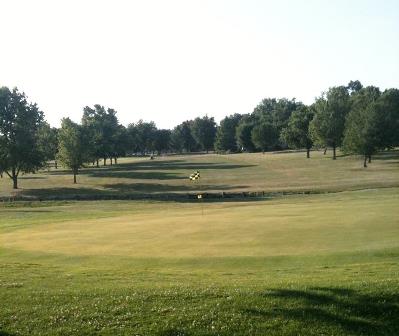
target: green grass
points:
(299, 265)
(271, 172)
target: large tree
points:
(204, 131)
(19, 125)
(364, 124)
(264, 136)
(161, 140)
(181, 138)
(297, 134)
(73, 149)
(226, 134)
(142, 136)
(328, 124)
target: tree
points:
(264, 136)
(120, 143)
(364, 127)
(181, 138)
(226, 134)
(19, 125)
(102, 125)
(73, 151)
(204, 131)
(48, 142)
(388, 109)
(297, 134)
(328, 124)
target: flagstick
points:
(202, 198)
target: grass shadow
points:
(5, 333)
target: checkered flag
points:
(195, 176)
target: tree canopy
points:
(20, 122)
(328, 124)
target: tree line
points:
(359, 120)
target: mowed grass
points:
(299, 265)
(270, 172)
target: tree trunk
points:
(116, 160)
(308, 153)
(74, 177)
(14, 177)
(105, 161)
(98, 165)
(325, 151)
(369, 158)
(15, 182)
(110, 159)
(365, 161)
(56, 164)
(334, 152)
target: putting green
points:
(347, 221)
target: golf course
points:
(316, 252)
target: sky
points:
(170, 61)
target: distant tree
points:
(120, 143)
(328, 124)
(48, 142)
(364, 126)
(297, 134)
(181, 138)
(204, 131)
(226, 134)
(275, 111)
(354, 86)
(264, 136)
(19, 125)
(73, 151)
(162, 140)
(142, 135)
(243, 134)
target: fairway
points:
(269, 172)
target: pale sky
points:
(173, 60)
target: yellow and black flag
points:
(195, 176)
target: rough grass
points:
(299, 265)
(220, 173)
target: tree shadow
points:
(150, 169)
(392, 154)
(141, 191)
(158, 188)
(324, 307)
